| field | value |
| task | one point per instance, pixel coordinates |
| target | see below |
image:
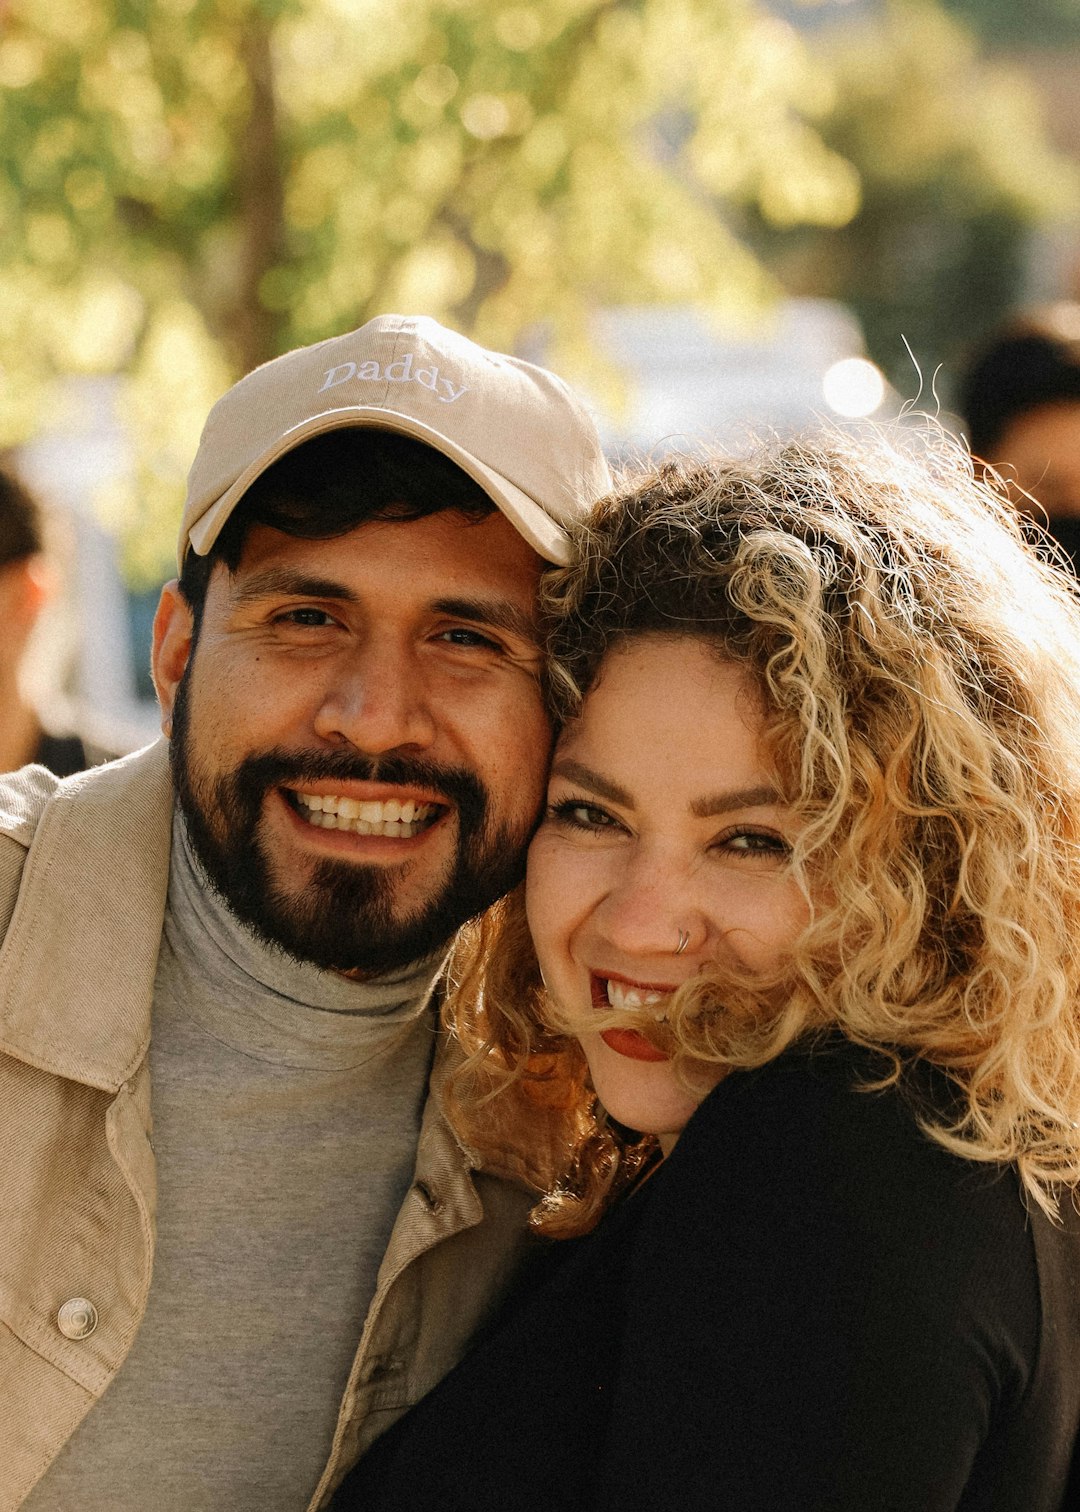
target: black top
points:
(810, 1307)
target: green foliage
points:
(955, 169)
(1021, 23)
(188, 187)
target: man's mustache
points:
(276, 768)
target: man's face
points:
(1039, 453)
(359, 742)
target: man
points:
(1021, 404)
(229, 1193)
(25, 581)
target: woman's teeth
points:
(393, 819)
(622, 995)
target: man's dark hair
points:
(327, 486)
(1028, 364)
(21, 525)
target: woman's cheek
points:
(544, 887)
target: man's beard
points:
(343, 918)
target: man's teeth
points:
(621, 995)
(393, 819)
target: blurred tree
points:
(188, 187)
(955, 169)
(1021, 23)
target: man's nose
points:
(376, 700)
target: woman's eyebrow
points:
(603, 787)
(738, 798)
(702, 808)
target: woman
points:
(805, 903)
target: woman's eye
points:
(755, 843)
(574, 814)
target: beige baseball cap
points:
(516, 429)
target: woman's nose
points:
(653, 911)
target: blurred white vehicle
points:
(690, 383)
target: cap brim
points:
(545, 535)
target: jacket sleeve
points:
(824, 1311)
(23, 796)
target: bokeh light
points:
(853, 387)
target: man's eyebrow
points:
(284, 581)
(701, 808)
(499, 613)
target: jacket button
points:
(77, 1319)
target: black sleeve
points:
(824, 1312)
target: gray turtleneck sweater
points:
(286, 1103)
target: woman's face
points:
(663, 819)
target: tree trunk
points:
(261, 200)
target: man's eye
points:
(307, 617)
(461, 636)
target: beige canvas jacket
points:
(83, 881)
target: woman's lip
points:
(630, 1043)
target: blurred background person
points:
(27, 581)
(1020, 401)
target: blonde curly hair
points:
(918, 659)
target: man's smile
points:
(392, 818)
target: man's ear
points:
(26, 585)
(173, 627)
(29, 582)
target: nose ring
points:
(684, 940)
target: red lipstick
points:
(633, 1045)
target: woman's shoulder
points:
(829, 1141)
(808, 1187)
(828, 1094)
(808, 1239)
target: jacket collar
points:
(78, 962)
